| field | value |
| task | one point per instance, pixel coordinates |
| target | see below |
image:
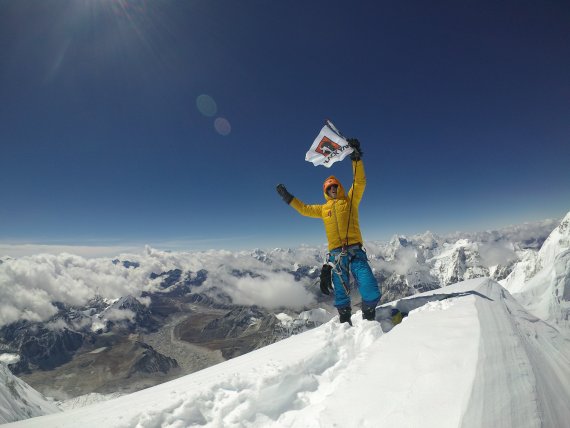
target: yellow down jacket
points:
(335, 212)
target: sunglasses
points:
(335, 186)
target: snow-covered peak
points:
(458, 261)
(399, 241)
(557, 242)
(541, 281)
(428, 240)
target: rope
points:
(337, 268)
(351, 202)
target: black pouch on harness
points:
(326, 279)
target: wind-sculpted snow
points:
(523, 357)
(260, 394)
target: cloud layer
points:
(30, 285)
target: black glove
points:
(356, 155)
(287, 197)
(326, 279)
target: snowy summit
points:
(448, 364)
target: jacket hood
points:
(333, 180)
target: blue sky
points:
(169, 123)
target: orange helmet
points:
(330, 182)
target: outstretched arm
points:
(314, 211)
(302, 208)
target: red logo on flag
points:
(327, 146)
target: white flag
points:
(328, 148)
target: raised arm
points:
(315, 211)
(359, 177)
(303, 209)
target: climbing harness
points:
(336, 263)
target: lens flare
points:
(222, 126)
(206, 105)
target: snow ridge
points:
(522, 357)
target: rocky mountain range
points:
(187, 315)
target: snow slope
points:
(86, 400)
(469, 355)
(18, 400)
(541, 282)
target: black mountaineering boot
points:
(344, 315)
(368, 313)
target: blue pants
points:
(357, 261)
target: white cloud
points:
(146, 301)
(114, 314)
(271, 291)
(23, 250)
(496, 253)
(515, 233)
(56, 325)
(29, 285)
(9, 358)
(404, 261)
